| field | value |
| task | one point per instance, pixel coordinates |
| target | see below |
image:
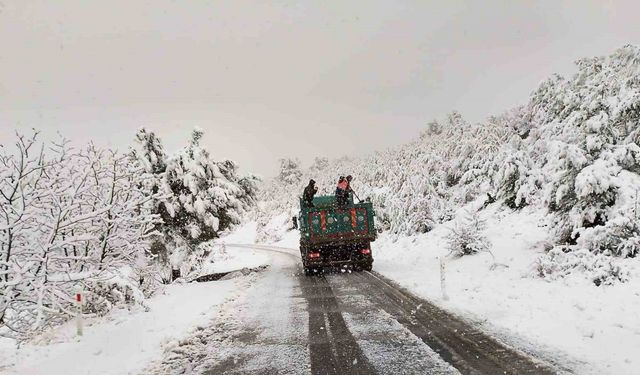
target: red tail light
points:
(313, 255)
(365, 251)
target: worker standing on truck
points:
(341, 191)
(348, 189)
(309, 192)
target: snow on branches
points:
(573, 150)
(72, 217)
(199, 199)
(466, 236)
(590, 123)
(562, 262)
(98, 219)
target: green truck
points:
(333, 235)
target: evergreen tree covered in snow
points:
(204, 200)
(150, 152)
(200, 197)
(290, 173)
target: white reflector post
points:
(79, 297)
(442, 280)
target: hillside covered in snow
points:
(535, 213)
(571, 152)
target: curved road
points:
(339, 323)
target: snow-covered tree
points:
(92, 218)
(433, 128)
(205, 200)
(21, 183)
(250, 185)
(319, 164)
(83, 221)
(290, 173)
(150, 152)
(199, 197)
(591, 160)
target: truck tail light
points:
(365, 251)
(313, 255)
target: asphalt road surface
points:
(339, 323)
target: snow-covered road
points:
(262, 332)
(338, 323)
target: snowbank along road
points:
(339, 323)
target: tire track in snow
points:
(468, 349)
(389, 346)
(357, 323)
(333, 350)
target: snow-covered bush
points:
(564, 261)
(466, 236)
(517, 180)
(119, 288)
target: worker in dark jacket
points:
(309, 192)
(342, 191)
(348, 189)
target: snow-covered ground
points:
(570, 321)
(227, 258)
(589, 329)
(599, 327)
(125, 342)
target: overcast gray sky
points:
(272, 79)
